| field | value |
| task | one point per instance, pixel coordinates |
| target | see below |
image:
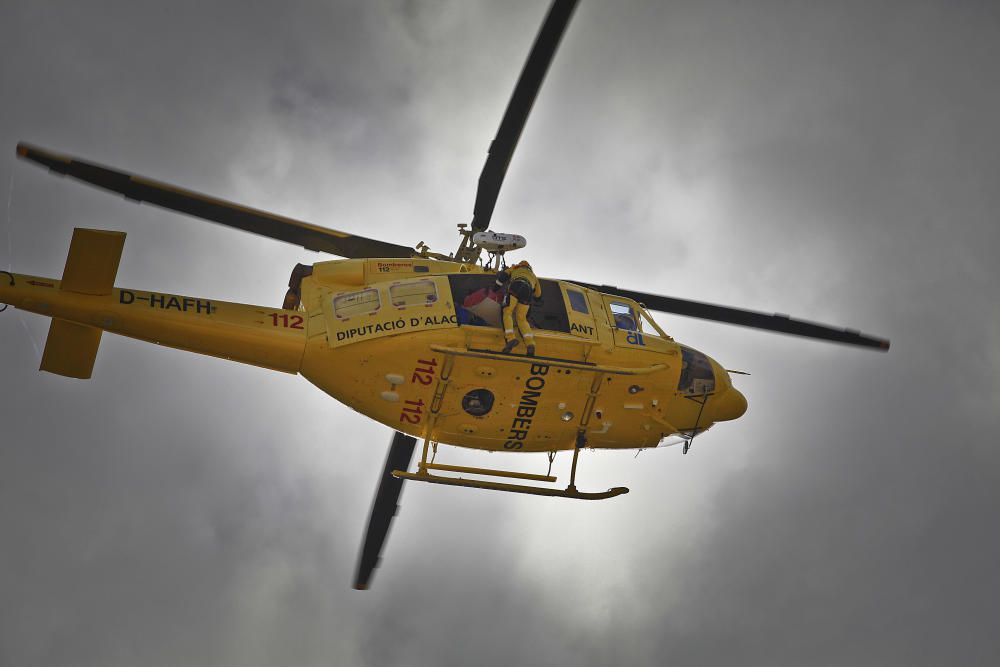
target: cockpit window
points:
(697, 376)
(625, 316)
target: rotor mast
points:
(468, 250)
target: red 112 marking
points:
(412, 410)
(287, 321)
(424, 372)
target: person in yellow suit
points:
(522, 287)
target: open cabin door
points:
(479, 302)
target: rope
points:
(10, 253)
(10, 259)
(10, 224)
(27, 331)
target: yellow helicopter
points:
(412, 338)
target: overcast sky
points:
(837, 161)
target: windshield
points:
(697, 376)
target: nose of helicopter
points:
(713, 396)
(729, 405)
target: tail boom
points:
(267, 337)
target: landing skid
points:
(423, 475)
(569, 492)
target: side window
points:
(624, 316)
(417, 293)
(351, 304)
(578, 301)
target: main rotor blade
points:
(746, 318)
(142, 189)
(384, 507)
(518, 109)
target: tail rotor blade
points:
(384, 508)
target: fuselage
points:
(415, 344)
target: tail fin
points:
(91, 267)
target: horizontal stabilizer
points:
(71, 349)
(92, 263)
(91, 268)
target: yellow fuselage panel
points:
(388, 309)
(347, 273)
(535, 406)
